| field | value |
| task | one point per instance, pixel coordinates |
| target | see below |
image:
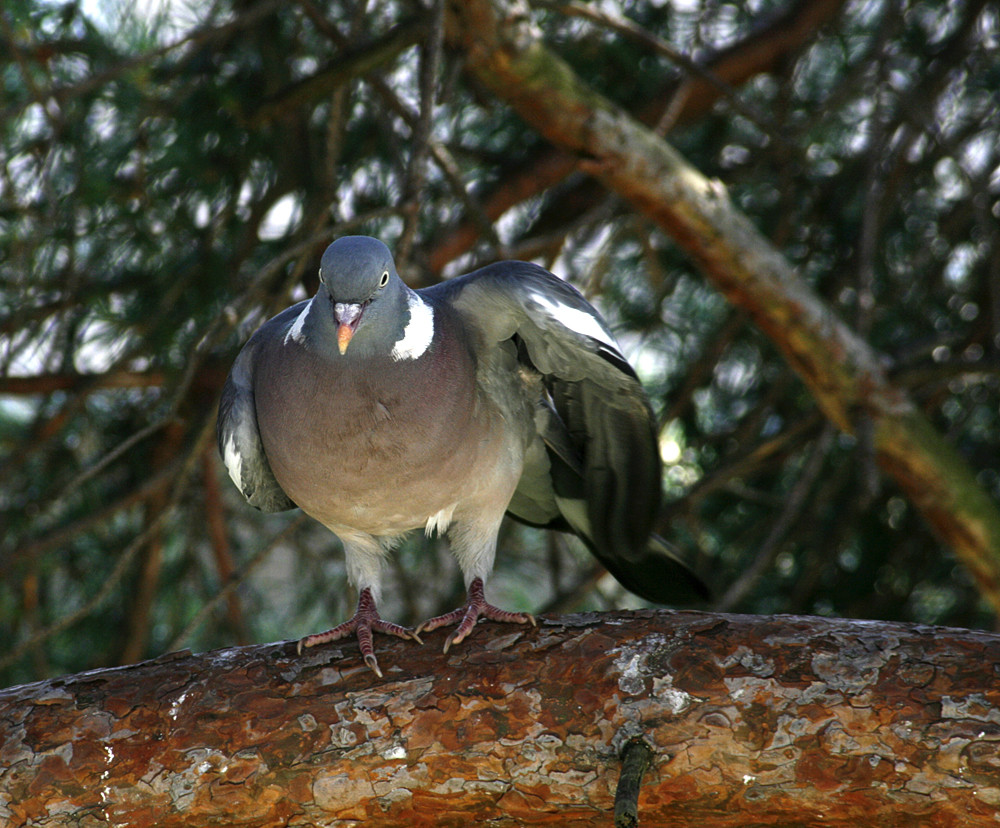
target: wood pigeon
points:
(378, 409)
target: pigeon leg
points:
(365, 621)
(466, 617)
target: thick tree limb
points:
(763, 49)
(783, 720)
(845, 375)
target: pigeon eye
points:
(385, 279)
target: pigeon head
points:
(366, 295)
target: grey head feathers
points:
(368, 301)
(354, 268)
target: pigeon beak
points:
(348, 316)
(344, 334)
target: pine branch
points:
(764, 49)
(769, 721)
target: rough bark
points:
(762, 721)
(845, 375)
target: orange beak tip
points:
(344, 334)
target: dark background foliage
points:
(168, 182)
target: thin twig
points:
(197, 37)
(442, 157)
(416, 174)
(740, 588)
(125, 559)
(236, 581)
(634, 31)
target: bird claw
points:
(363, 623)
(372, 663)
(468, 616)
(431, 624)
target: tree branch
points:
(343, 68)
(764, 49)
(766, 720)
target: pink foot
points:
(467, 616)
(365, 620)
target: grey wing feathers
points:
(238, 436)
(601, 429)
(621, 475)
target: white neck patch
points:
(295, 331)
(419, 331)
